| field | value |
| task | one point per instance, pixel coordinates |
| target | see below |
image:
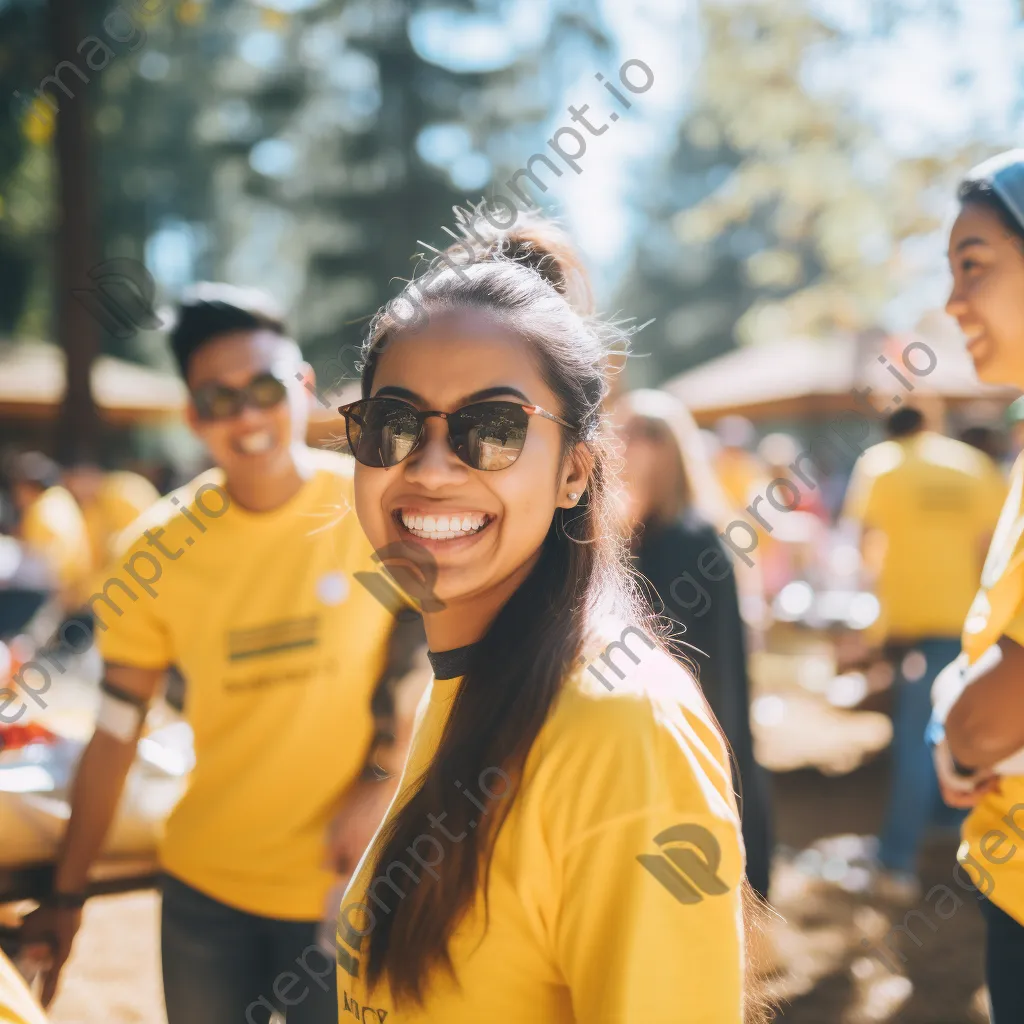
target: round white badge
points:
(333, 588)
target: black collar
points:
(450, 664)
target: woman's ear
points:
(576, 470)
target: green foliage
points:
(783, 210)
(25, 178)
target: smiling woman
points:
(481, 447)
(986, 256)
(978, 697)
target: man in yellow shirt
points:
(245, 579)
(927, 506)
(50, 523)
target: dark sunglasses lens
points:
(266, 391)
(383, 431)
(490, 435)
(217, 402)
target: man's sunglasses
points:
(220, 402)
(486, 435)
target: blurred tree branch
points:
(786, 207)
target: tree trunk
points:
(76, 244)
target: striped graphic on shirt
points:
(286, 635)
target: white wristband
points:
(1012, 765)
(119, 718)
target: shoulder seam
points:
(621, 819)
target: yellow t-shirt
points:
(281, 649)
(16, 1003)
(933, 500)
(122, 497)
(53, 527)
(998, 610)
(614, 885)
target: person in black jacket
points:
(673, 505)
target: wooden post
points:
(76, 248)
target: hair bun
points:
(534, 242)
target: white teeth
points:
(254, 444)
(444, 527)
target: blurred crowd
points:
(861, 531)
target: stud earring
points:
(573, 496)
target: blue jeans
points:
(224, 966)
(915, 802)
(1004, 964)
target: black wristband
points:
(115, 691)
(67, 900)
(962, 770)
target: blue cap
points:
(1005, 173)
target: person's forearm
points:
(979, 737)
(95, 795)
(983, 726)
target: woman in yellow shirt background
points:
(110, 503)
(50, 523)
(564, 845)
(980, 697)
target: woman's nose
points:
(434, 463)
(956, 305)
(249, 417)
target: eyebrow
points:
(476, 396)
(968, 242)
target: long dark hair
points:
(529, 279)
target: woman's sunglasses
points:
(220, 402)
(487, 435)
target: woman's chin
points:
(989, 371)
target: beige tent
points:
(32, 384)
(805, 378)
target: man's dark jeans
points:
(915, 802)
(224, 966)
